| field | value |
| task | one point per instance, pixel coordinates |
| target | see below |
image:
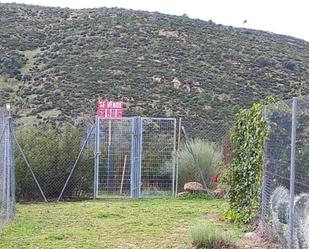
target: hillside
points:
(54, 63)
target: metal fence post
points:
(132, 158)
(177, 157)
(7, 178)
(265, 196)
(12, 167)
(292, 174)
(8, 170)
(97, 158)
(174, 158)
(136, 158)
(140, 152)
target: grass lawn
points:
(147, 223)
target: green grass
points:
(209, 235)
(30, 120)
(30, 54)
(147, 223)
(50, 113)
(8, 83)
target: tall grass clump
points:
(209, 236)
(208, 154)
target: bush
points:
(208, 155)
(291, 65)
(208, 236)
(264, 61)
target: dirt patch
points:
(252, 240)
(256, 240)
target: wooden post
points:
(109, 153)
(109, 132)
(123, 172)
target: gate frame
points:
(175, 153)
(136, 156)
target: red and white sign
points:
(110, 109)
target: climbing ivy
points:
(246, 170)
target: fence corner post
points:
(292, 175)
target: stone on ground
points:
(193, 187)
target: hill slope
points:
(55, 62)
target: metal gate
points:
(135, 157)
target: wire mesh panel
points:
(299, 226)
(136, 157)
(79, 185)
(51, 153)
(7, 178)
(277, 154)
(158, 156)
(302, 146)
(285, 197)
(115, 147)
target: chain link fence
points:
(159, 148)
(114, 145)
(203, 154)
(50, 153)
(285, 195)
(54, 163)
(130, 157)
(7, 179)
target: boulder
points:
(193, 187)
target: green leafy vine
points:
(246, 171)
